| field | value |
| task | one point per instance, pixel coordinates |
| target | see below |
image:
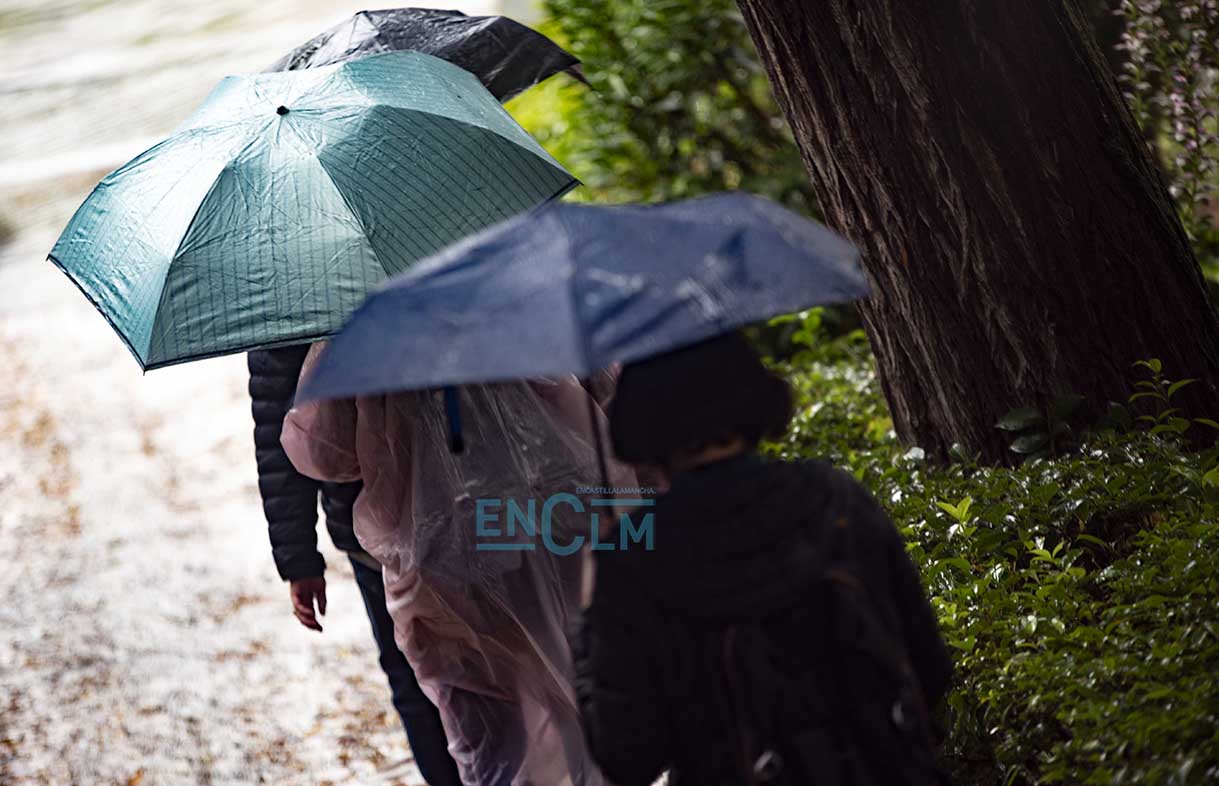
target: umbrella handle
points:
(596, 429)
(452, 408)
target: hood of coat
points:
(733, 539)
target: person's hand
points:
(304, 591)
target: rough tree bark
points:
(1020, 242)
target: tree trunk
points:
(1107, 27)
(1019, 240)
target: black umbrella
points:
(505, 55)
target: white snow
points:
(144, 635)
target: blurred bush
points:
(677, 106)
(1171, 78)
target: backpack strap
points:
(753, 706)
(909, 714)
(746, 742)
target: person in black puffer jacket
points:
(736, 544)
(290, 501)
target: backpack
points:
(827, 694)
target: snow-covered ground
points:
(144, 635)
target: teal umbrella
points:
(268, 216)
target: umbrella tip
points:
(283, 110)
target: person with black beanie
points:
(741, 543)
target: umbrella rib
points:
(350, 209)
(161, 301)
(585, 356)
(170, 190)
(240, 347)
(522, 143)
(594, 424)
(539, 153)
(312, 288)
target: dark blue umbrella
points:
(571, 289)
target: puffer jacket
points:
(289, 499)
(729, 549)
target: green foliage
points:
(1164, 418)
(678, 104)
(1039, 433)
(801, 338)
(1079, 593)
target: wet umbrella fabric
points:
(269, 215)
(505, 55)
(572, 289)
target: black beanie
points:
(716, 389)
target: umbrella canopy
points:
(285, 198)
(575, 288)
(507, 56)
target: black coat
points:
(289, 499)
(728, 549)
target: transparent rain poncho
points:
(483, 629)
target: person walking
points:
(290, 503)
(778, 633)
(483, 623)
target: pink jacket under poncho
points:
(484, 630)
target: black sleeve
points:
(289, 499)
(621, 701)
(890, 570)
